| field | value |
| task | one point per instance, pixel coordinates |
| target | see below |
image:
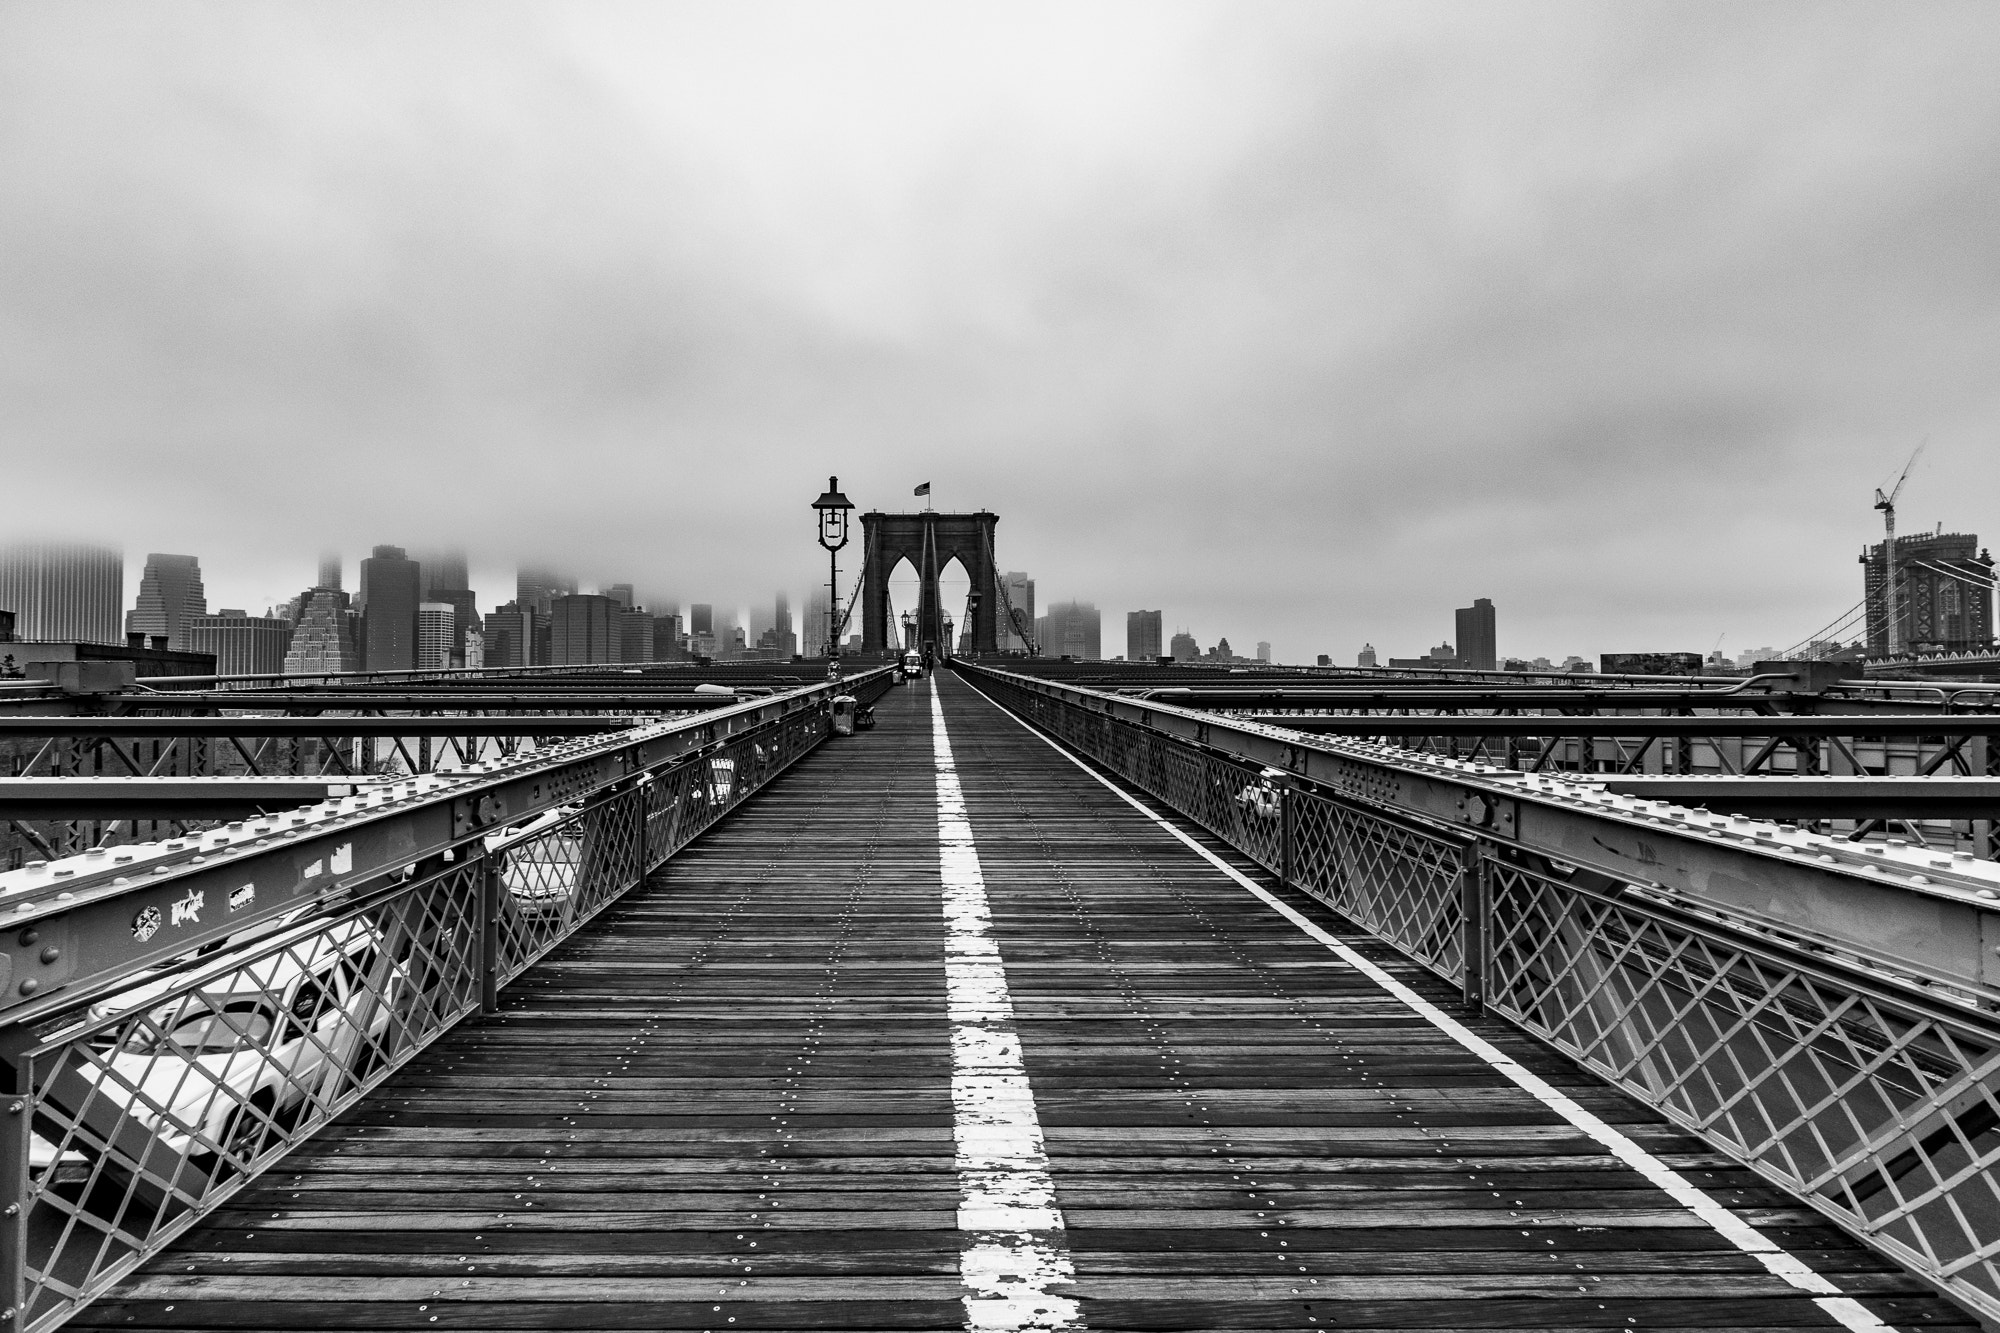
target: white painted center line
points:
(1845, 1310)
(1014, 1250)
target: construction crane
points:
(1887, 504)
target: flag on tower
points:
(924, 489)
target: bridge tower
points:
(929, 541)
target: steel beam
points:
(104, 915)
(1919, 913)
(401, 724)
(1618, 724)
(160, 798)
(1821, 797)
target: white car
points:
(540, 863)
(206, 1070)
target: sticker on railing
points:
(1015, 1251)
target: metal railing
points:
(143, 1096)
(1831, 1066)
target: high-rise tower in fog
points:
(63, 591)
(170, 595)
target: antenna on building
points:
(1887, 504)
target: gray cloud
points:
(1305, 323)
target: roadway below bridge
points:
(941, 1031)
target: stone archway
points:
(929, 541)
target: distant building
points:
(329, 570)
(475, 649)
(701, 618)
(465, 609)
(620, 593)
(437, 635)
(816, 630)
(1324, 660)
(170, 595)
(1944, 586)
(667, 645)
(1142, 636)
(443, 571)
(583, 629)
(1071, 629)
(1366, 656)
(6, 627)
(1021, 596)
(325, 635)
(1263, 650)
(63, 592)
(1646, 664)
(1183, 647)
(391, 592)
(243, 645)
(1476, 645)
(537, 588)
(635, 635)
(512, 635)
(788, 637)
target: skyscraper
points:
(170, 594)
(583, 628)
(537, 588)
(816, 628)
(1367, 655)
(1021, 596)
(788, 639)
(329, 570)
(1184, 647)
(667, 646)
(1476, 646)
(1142, 636)
(437, 635)
(1263, 650)
(701, 629)
(1071, 629)
(63, 591)
(244, 645)
(635, 634)
(324, 635)
(443, 571)
(391, 588)
(1944, 594)
(511, 636)
(620, 593)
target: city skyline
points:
(1418, 316)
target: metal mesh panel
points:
(1879, 1105)
(154, 1104)
(1398, 882)
(1866, 1095)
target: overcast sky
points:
(1300, 322)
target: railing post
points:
(1287, 831)
(1475, 900)
(639, 795)
(16, 1124)
(492, 884)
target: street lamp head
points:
(833, 508)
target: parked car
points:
(541, 861)
(208, 1069)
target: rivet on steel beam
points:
(16, 1107)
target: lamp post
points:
(833, 508)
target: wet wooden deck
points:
(730, 1107)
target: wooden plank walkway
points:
(731, 1107)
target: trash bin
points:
(843, 714)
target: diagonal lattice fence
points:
(1870, 1095)
(132, 1116)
